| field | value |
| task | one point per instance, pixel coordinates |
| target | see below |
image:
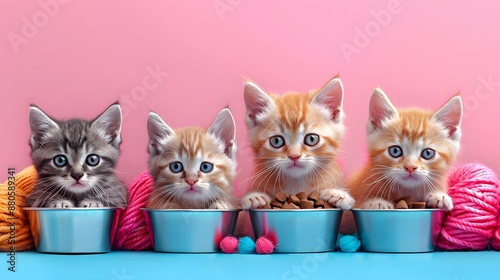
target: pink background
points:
(80, 56)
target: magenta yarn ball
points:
(132, 232)
(474, 189)
(264, 245)
(229, 244)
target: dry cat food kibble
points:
(418, 205)
(407, 202)
(302, 200)
(402, 205)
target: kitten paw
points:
(61, 203)
(338, 198)
(90, 203)
(439, 200)
(377, 203)
(220, 205)
(255, 200)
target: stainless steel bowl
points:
(71, 230)
(398, 231)
(298, 231)
(190, 231)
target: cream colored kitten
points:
(193, 168)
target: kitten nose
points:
(76, 175)
(410, 169)
(191, 181)
(294, 157)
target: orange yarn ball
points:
(24, 183)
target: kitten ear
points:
(40, 125)
(450, 115)
(159, 132)
(331, 95)
(224, 129)
(256, 102)
(381, 109)
(110, 124)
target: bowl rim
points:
(75, 209)
(190, 210)
(398, 210)
(295, 210)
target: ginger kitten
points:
(192, 167)
(75, 160)
(295, 139)
(410, 153)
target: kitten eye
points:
(428, 153)
(395, 151)
(60, 161)
(206, 167)
(311, 139)
(93, 160)
(176, 167)
(277, 141)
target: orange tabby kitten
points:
(410, 152)
(295, 138)
(192, 167)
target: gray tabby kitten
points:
(75, 160)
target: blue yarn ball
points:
(348, 243)
(246, 245)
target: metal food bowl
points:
(190, 230)
(298, 230)
(398, 231)
(71, 230)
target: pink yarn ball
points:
(132, 231)
(229, 244)
(471, 223)
(264, 245)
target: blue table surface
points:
(126, 265)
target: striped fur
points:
(77, 183)
(385, 178)
(296, 166)
(191, 146)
